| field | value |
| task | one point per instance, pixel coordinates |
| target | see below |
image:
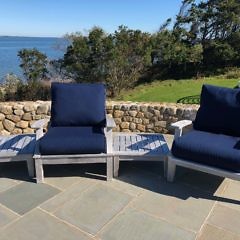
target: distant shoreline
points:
(10, 45)
(6, 36)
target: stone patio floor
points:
(77, 203)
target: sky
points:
(55, 18)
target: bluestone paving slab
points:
(71, 193)
(26, 196)
(59, 176)
(62, 182)
(178, 204)
(38, 225)
(92, 170)
(152, 167)
(125, 187)
(158, 210)
(94, 208)
(64, 176)
(210, 232)
(230, 197)
(134, 225)
(200, 180)
(6, 183)
(226, 218)
(15, 170)
(6, 216)
(139, 178)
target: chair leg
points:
(115, 166)
(165, 166)
(109, 168)
(30, 166)
(39, 171)
(171, 170)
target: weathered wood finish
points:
(39, 125)
(108, 133)
(180, 126)
(139, 147)
(125, 147)
(41, 160)
(115, 166)
(173, 162)
(18, 148)
(71, 159)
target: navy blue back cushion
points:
(76, 104)
(219, 111)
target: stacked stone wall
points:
(16, 117)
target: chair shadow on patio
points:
(95, 171)
(188, 184)
(15, 171)
(142, 175)
(18, 171)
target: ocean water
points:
(9, 47)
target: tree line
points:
(203, 39)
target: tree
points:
(215, 24)
(32, 91)
(84, 58)
(128, 57)
(219, 54)
(172, 52)
(10, 86)
(205, 36)
(57, 71)
(33, 64)
(117, 59)
(211, 19)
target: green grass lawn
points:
(184, 91)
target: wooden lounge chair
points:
(211, 143)
(79, 131)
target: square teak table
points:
(139, 147)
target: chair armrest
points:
(39, 125)
(180, 126)
(108, 133)
(110, 122)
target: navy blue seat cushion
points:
(73, 140)
(217, 150)
(78, 104)
(219, 111)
